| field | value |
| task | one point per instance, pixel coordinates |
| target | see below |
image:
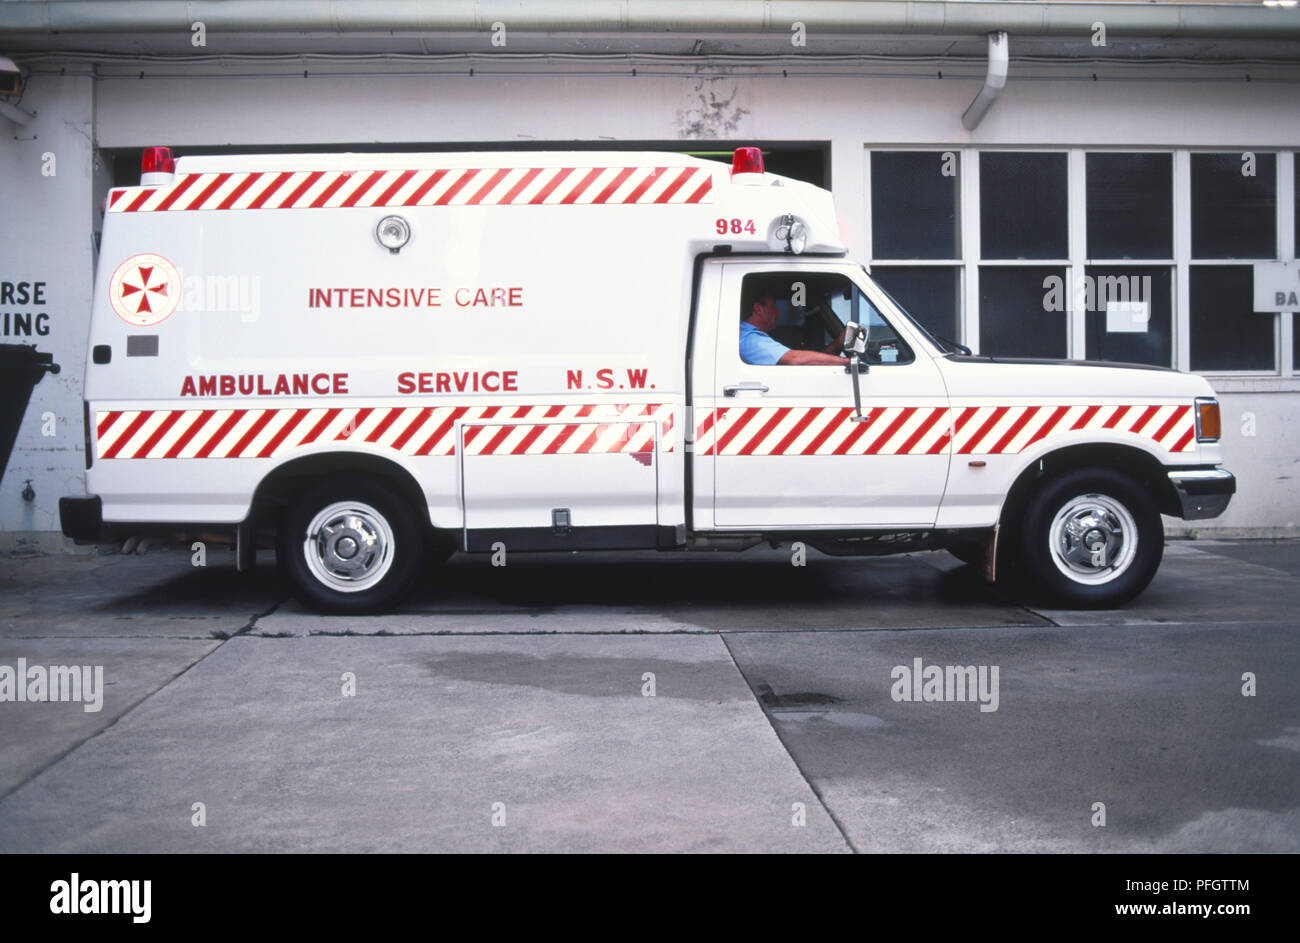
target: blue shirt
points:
(758, 348)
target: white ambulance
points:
(376, 359)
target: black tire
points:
(370, 559)
(1090, 538)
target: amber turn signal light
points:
(1208, 424)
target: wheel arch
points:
(278, 486)
(1141, 465)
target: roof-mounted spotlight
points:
(792, 231)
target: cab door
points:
(786, 447)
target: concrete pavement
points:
(517, 696)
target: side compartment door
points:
(786, 448)
(569, 479)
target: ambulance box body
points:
(364, 358)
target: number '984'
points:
(734, 226)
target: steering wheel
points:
(823, 313)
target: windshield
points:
(942, 344)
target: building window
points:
(1130, 314)
(1226, 333)
(1234, 205)
(1024, 309)
(1020, 313)
(916, 217)
(1130, 206)
(914, 205)
(1023, 205)
(1177, 229)
(1234, 216)
(929, 293)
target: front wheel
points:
(1091, 539)
(351, 545)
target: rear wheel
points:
(1091, 539)
(351, 545)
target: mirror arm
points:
(855, 367)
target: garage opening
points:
(806, 161)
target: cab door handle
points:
(749, 386)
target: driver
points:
(759, 315)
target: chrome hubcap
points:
(348, 546)
(1093, 539)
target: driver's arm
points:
(805, 357)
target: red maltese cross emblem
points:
(145, 289)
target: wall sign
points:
(1277, 286)
(18, 315)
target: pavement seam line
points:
(220, 642)
(116, 720)
(252, 621)
(1048, 619)
(785, 746)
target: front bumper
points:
(1203, 492)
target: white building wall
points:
(52, 238)
(46, 220)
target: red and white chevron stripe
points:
(927, 430)
(560, 430)
(412, 430)
(1007, 430)
(471, 186)
(781, 430)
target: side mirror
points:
(854, 344)
(855, 338)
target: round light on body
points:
(797, 237)
(792, 231)
(393, 232)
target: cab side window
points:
(781, 312)
(884, 346)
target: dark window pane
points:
(1128, 337)
(914, 205)
(1295, 343)
(1226, 334)
(1023, 202)
(1130, 206)
(928, 293)
(1234, 215)
(1015, 320)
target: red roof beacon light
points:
(156, 166)
(746, 160)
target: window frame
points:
(1286, 367)
(1282, 367)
